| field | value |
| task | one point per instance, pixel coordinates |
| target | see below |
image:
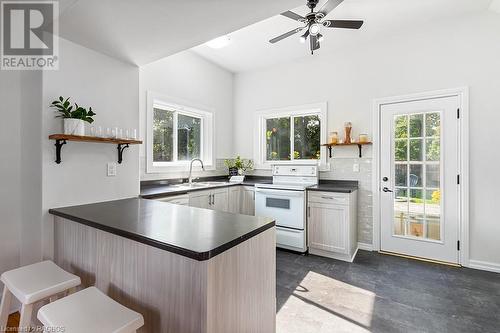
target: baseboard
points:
(484, 265)
(365, 246)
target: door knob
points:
(385, 179)
(385, 189)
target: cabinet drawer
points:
(328, 197)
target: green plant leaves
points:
(66, 110)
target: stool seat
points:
(89, 310)
(35, 282)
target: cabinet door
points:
(234, 199)
(247, 201)
(200, 199)
(328, 227)
(220, 200)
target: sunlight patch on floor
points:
(323, 304)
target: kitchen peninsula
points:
(185, 269)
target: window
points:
(293, 135)
(176, 135)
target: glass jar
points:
(333, 137)
(363, 138)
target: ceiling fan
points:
(314, 22)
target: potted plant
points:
(74, 117)
(238, 165)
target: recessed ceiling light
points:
(219, 42)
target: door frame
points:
(463, 132)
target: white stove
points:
(285, 201)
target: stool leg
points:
(25, 321)
(5, 308)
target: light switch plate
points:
(355, 167)
(111, 169)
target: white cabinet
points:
(216, 199)
(247, 200)
(332, 224)
(176, 199)
(234, 199)
(220, 199)
(200, 199)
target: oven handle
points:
(287, 193)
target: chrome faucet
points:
(190, 179)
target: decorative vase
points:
(74, 126)
(347, 128)
(233, 171)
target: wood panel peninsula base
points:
(233, 291)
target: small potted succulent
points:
(74, 117)
(238, 165)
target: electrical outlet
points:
(111, 169)
(355, 167)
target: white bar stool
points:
(89, 310)
(33, 283)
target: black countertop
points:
(156, 189)
(159, 189)
(340, 186)
(196, 233)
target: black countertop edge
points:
(330, 185)
(161, 188)
(199, 256)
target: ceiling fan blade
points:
(293, 16)
(329, 6)
(346, 24)
(285, 35)
(314, 42)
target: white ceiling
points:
(249, 48)
(142, 31)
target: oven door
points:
(287, 207)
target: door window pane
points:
(163, 131)
(416, 125)
(401, 174)
(400, 211)
(432, 124)
(278, 139)
(416, 149)
(417, 213)
(432, 175)
(400, 127)
(306, 135)
(416, 174)
(401, 150)
(188, 137)
(432, 149)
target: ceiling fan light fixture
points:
(219, 42)
(302, 39)
(320, 38)
(314, 29)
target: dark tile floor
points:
(381, 293)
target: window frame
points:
(207, 131)
(260, 155)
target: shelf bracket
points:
(330, 148)
(59, 144)
(121, 147)
(360, 148)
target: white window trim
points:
(207, 132)
(320, 109)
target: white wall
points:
(111, 88)
(189, 79)
(460, 52)
(10, 191)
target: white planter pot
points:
(74, 126)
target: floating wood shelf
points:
(359, 144)
(61, 140)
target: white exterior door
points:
(419, 166)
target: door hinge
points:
(458, 113)
(458, 245)
(458, 179)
